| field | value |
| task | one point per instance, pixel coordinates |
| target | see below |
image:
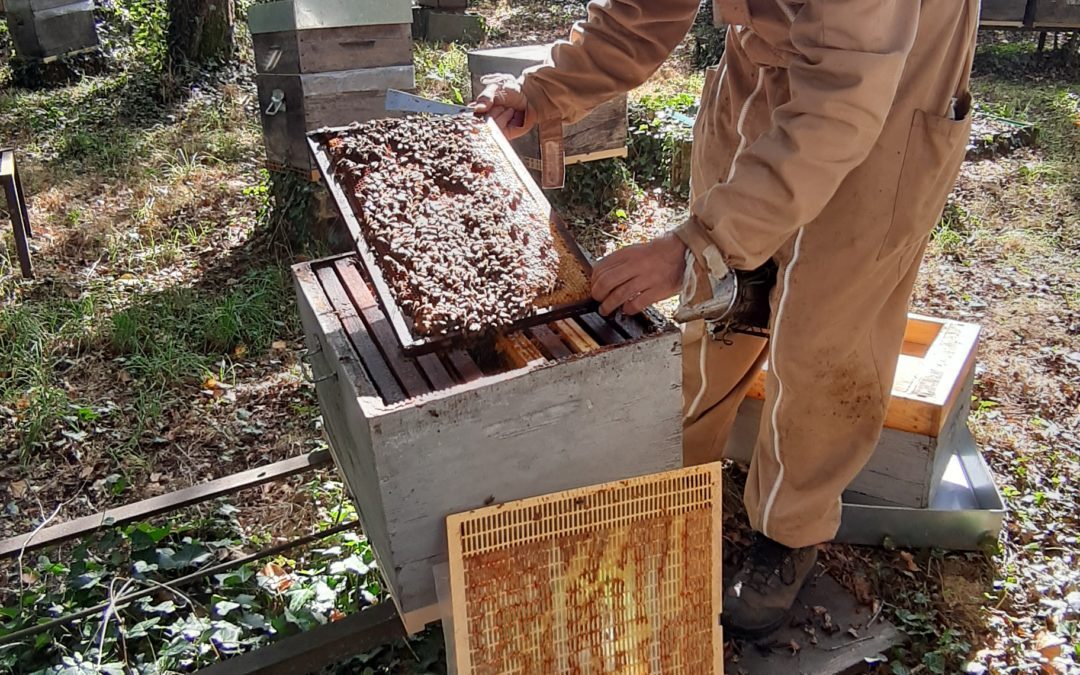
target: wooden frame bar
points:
(58, 534)
(16, 204)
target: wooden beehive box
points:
(1003, 13)
(1056, 14)
(602, 134)
(931, 399)
(46, 29)
(578, 402)
(325, 63)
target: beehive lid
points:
(288, 15)
(623, 577)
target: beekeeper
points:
(828, 139)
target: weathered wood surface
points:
(929, 408)
(332, 49)
(545, 426)
(1056, 14)
(1004, 13)
(294, 15)
(153, 506)
(937, 358)
(316, 100)
(17, 211)
(43, 29)
(600, 132)
(436, 25)
(341, 382)
(836, 652)
(581, 422)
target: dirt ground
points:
(158, 346)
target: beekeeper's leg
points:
(716, 375)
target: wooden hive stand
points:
(930, 403)
(16, 207)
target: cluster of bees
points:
(462, 250)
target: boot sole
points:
(757, 633)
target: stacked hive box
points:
(447, 21)
(600, 135)
(47, 29)
(924, 424)
(326, 63)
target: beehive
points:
(325, 63)
(46, 29)
(579, 401)
(602, 134)
(927, 415)
(616, 578)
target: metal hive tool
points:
(617, 578)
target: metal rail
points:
(29, 541)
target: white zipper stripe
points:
(774, 338)
(731, 172)
(742, 120)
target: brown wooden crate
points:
(322, 50)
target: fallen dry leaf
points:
(155, 477)
(18, 489)
(910, 560)
(1049, 645)
(278, 346)
(28, 577)
(240, 351)
(22, 403)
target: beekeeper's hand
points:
(503, 100)
(635, 277)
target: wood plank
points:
(319, 647)
(346, 402)
(536, 431)
(518, 350)
(172, 501)
(579, 341)
(925, 388)
(605, 334)
(631, 325)
(464, 365)
(436, 372)
(409, 376)
(370, 356)
(555, 347)
(345, 48)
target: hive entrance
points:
(619, 578)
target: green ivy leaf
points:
(935, 663)
(223, 607)
(142, 628)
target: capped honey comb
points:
(618, 578)
(463, 244)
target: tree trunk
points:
(201, 30)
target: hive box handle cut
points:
(415, 345)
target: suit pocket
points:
(935, 149)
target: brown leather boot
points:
(759, 595)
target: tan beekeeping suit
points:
(825, 141)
